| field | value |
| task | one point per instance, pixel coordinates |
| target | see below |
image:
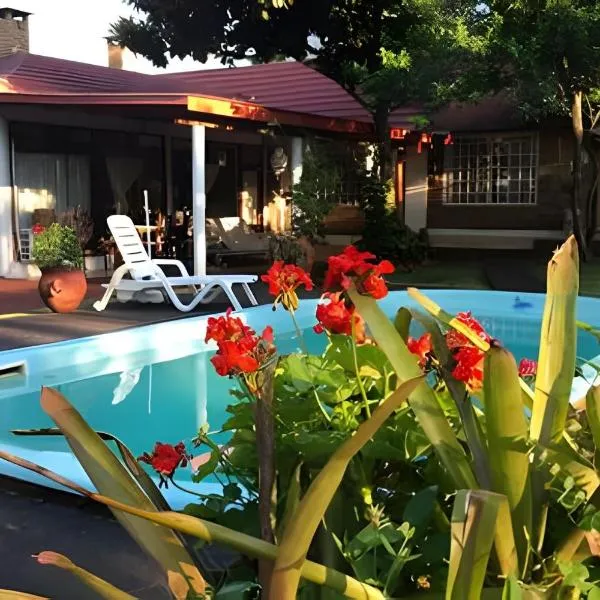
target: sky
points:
(75, 30)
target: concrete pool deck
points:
(24, 321)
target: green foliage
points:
(57, 246)
(395, 492)
(285, 248)
(315, 195)
(383, 233)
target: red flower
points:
(335, 316)
(239, 349)
(226, 328)
(527, 367)
(469, 359)
(352, 262)
(37, 229)
(421, 347)
(454, 339)
(165, 459)
(469, 367)
(373, 284)
(283, 281)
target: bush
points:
(57, 246)
(314, 196)
(384, 234)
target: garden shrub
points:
(384, 234)
(57, 246)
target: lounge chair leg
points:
(250, 295)
(114, 282)
(232, 297)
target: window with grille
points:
(491, 170)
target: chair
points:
(237, 237)
(147, 274)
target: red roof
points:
(287, 86)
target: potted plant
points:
(57, 252)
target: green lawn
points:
(470, 275)
(444, 274)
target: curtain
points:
(51, 181)
(41, 181)
(79, 192)
(122, 173)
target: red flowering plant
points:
(283, 282)
(165, 459)
(240, 351)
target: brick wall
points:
(14, 36)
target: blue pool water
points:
(156, 383)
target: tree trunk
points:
(382, 129)
(578, 225)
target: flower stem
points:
(361, 387)
(306, 353)
(179, 487)
(299, 333)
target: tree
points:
(546, 54)
(385, 52)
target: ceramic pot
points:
(62, 290)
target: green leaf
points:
(110, 478)
(592, 410)
(594, 593)
(292, 500)
(132, 464)
(558, 346)
(239, 590)
(420, 508)
(99, 586)
(208, 468)
(575, 575)
(298, 536)
(473, 531)
(512, 589)
(422, 400)
(232, 492)
(507, 433)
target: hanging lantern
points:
(424, 139)
(398, 134)
(279, 161)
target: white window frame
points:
(484, 185)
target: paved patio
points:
(25, 321)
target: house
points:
(489, 179)
(78, 134)
(226, 142)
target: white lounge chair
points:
(146, 274)
(237, 239)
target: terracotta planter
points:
(62, 290)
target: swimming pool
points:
(155, 383)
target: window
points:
(491, 170)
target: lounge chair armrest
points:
(172, 262)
